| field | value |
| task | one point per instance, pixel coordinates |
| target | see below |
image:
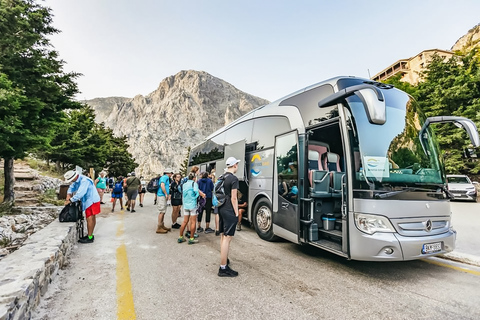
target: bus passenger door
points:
(286, 211)
(236, 150)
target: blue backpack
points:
(118, 188)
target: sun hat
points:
(70, 175)
(231, 162)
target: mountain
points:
(181, 112)
(469, 40)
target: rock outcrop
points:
(184, 109)
(468, 41)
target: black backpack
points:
(153, 186)
(71, 213)
(219, 191)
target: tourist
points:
(101, 184)
(205, 185)
(143, 190)
(190, 194)
(117, 193)
(83, 189)
(242, 209)
(163, 195)
(133, 185)
(176, 193)
(228, 213)
(111, 181)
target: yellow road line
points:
(477, 273)
(125, 305)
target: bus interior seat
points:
(315, 153)
(321, 184)
(331, 161)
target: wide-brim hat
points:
(70, 175)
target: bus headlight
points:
(370, 223)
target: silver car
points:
(462, 187)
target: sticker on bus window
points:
(376, 167)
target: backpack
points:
(153, 185)
(219, 196)
(72, 212)
(118, 188)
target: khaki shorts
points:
(162, 204)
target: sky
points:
(268, 48)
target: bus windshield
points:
(389, 157)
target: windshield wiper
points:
(393, 193)
(441, 186)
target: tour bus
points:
(348, 165)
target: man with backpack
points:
(163, 195)
(83, 189)
(226, 191)
(133, 185)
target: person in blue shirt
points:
(83, 189)
(163, 195)
(190, 195)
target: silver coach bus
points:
(347, 165)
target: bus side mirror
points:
(374, 107)
(460, 122)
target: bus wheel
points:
(263, 220)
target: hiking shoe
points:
(199, 229)
(86, 237)
(128, 208)
(86, 240)
(195, 235)
(141, 205)
(239, 227)
(166, 228)
(217, 233)
(192, 241)
(181, 239)
(209, 230)
(227, 272)
(176, 226)
(161, 230)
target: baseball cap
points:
(70, 175)
(231, 162)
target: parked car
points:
(462, 187)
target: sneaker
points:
(181, 239)
(136, 211)
(209, 230)
(239, 227)
(199, 229)
(155, 202)
(112, 210)
(227, 272)
(192, 241)
(86, 237)
(141, 205)
(86, 240)
(161, 230)
(176, 226)
(217, 233)
(128, 208)
(101, 202)
(195, 235)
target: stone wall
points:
(26, 273)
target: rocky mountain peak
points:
(468, 41)
(181, 112)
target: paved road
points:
(277, 280)
(466, 220)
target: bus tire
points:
(263, 220)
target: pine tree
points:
(184, 166)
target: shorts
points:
(176, 202)
(117, 195)
(190, 212)
(132, 194)
(227, 222)
(143, 190)
(94, 209)
(162, 204)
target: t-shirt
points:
(102, 183)
(231, 183)
(133, 183)
(166, 180)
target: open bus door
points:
(236, 150)
(286, 189)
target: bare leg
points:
(193, 222)
(161, 215)
(184, 225)
(217, 222)
(91, 222)
(175, 212)
(142, 195)
(224, 248)
(132, 204)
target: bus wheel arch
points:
(262, 219)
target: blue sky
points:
(266, 48)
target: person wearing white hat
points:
(228, 214)
(83, 189)
(163, 195)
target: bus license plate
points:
(432, 247)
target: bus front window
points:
(389, 159)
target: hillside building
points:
(410, 68)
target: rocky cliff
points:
(468, 41)
(183, 110)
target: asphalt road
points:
(277, 280)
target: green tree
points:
(184, 166)
(33, 75)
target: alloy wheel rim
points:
(264, 218)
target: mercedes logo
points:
(428, 225)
